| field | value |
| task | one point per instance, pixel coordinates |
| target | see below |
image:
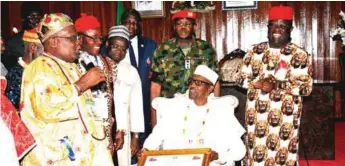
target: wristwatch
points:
(135, 135)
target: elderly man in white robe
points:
(127, 94)
(197, 119)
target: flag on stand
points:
(119, 11)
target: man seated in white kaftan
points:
(197, 119)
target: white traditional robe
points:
(8, 155)
(128, 99)
(221, 130)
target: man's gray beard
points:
(39, 52)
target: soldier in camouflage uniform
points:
(277, 74)
(174, 61)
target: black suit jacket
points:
(14, 49)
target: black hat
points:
(29, 7)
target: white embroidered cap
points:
(206, 72)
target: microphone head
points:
(83, 57)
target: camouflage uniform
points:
(272, 119)
(169, 64)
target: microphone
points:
(88, 64)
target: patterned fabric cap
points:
(120, 31)
(31, 36)
(53, 23)
(206, 72)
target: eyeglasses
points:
(118, 47)
(72, 38)
(130, 23)
(181, 24)
(100, 38)
(197, 82)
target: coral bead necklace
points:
(193, 127)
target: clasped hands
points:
(266, 85)
(119, 141)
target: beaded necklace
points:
(110, 75)
(68, 78)
(198, 139)
(110, 71)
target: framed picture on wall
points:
(197, 157)
(239, 5)
(149, 9)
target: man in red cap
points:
(277, 74)
(175, 60)
(101, 104)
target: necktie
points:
(132, 56)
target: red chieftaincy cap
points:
(281, 13)
(184, 14)
(86, 22)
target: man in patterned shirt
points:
(277, 74)
(175, 60)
